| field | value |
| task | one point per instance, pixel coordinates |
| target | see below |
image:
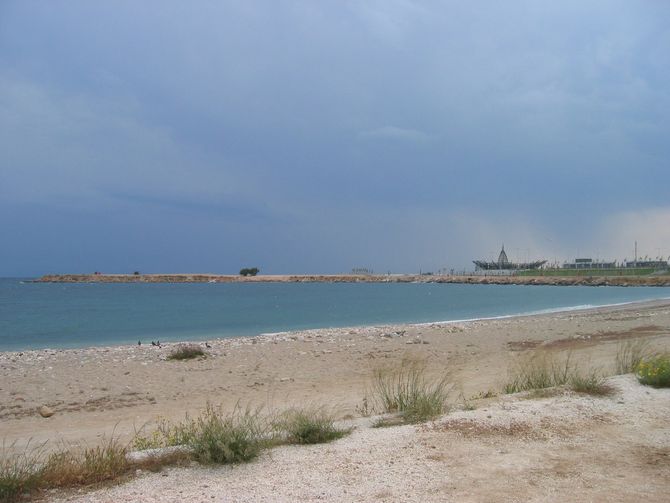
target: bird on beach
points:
(207, 345)
(139, 343)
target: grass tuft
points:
(18, 472)
(308, 426)
(186, 352)
(591, 384)
(24, 474)
(237, 437)
(408, 391)
(629, 355)
(68, 468)
(539, 370)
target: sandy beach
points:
(104, 391)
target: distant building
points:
(588, 263)
(503, 264)
(656, 264)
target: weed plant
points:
(166, 434)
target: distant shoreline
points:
(359, 278)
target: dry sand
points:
(566, 448)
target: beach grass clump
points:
(311, 425)
(236, 437)
(655, 371)
(186, 352)
(408, 391)
(19, 472)
(542, 371)
(630, 354)
(592, 383)
(92, 465)
(212, 437)
(539, 370)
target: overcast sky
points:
(309, 136)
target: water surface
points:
(59, 315)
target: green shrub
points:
(655, 371)
(186, 352)
(308, 426)
(249, 271)
(408, 391)
(228, 438)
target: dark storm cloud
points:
(320, 136)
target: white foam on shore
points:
(539, 312)
(553, 310)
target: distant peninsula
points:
(536, 279)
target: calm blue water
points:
(39, 315)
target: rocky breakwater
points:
(561, 280)
(655, 280)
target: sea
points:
(62, 315)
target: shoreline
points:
(103, 391)
(478, 279)
(660, 302)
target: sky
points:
(307, 137)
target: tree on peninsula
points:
(249, 271)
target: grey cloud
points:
(395, 133)
(296, 116)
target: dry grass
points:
(26, 473)
(592, 383)
(542, 370)
(311, 425)
(539, 370)
(92, 465)
(18, 472)
(629, 355)
(407, 390)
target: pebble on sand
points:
(45, 411)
